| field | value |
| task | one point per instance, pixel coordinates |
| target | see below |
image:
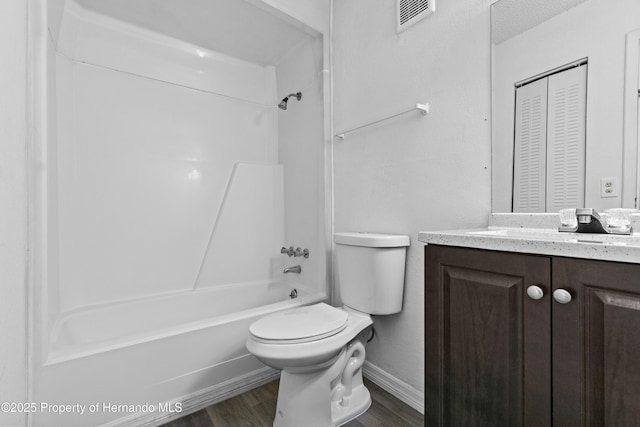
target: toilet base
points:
(359, 403)
(327, 397)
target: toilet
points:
(320, 349)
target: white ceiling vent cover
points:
(412, 11)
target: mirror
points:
(532, 38)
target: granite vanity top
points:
(538, 234)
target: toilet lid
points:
(301, 324)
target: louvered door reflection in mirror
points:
(530, 41)
(549, 140)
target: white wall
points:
(301, 152)
(304, 132)
(314, 13)
(411, 173)
(87, 37)
(13, 211)
(148, 134)
(595, 30)
(55, 11)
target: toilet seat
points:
(300, 325)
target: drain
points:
(293, 294)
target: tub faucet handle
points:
(302, 252)
(290, 252)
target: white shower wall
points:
(149, 135)
(301, 152)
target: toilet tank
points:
(370, 271)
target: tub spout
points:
(294, 269)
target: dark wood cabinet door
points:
(596, 344)
(487, 344)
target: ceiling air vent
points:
(412, 11)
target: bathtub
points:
(107, 327)
(186, 347)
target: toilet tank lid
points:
(373, 240)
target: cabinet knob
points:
(535, 292)
(562, 296)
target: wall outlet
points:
(609, 187)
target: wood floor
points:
(256, 408)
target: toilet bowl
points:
(320, 349)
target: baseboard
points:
(393, 385)
(200, 399)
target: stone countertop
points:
(538, 234)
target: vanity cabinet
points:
(497, 356)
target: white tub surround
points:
(538, 234)
(160, 154)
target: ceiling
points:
(512, 17)
(233, 27)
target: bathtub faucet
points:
(295, 252)
(294, 269)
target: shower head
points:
(283, 103)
